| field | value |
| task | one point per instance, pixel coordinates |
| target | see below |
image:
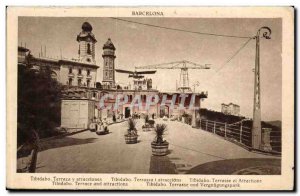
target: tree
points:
(38, 104)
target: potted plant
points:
(149, 124)
(159, 145)
(131, 135)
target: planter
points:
(160, 149)
(131, 138)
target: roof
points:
(230, 104)
(78, 63)
(86, 27)
(86, 32)
(203, 94)
(109, 45)
(84, 35)
(65, 61)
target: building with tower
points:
(76, 72)
(86, 40)
(81, 96)
(108, 65)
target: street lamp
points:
(263, 32)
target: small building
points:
(77, 113)
(142, 84)
(231, 109)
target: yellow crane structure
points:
(184, 66)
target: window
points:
(106, 64)
(88, 72)
(88, 82)
(79, 71)
(70, 70)
(70, 81)
(88, 49)
(79, 82)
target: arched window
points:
(70, 81)
(88, 82)
(88, 48)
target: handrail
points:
(238, 133)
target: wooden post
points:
(206, 125)
(34, 153)
(225, 129)
(214, 127)
(200, 123)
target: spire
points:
(109, 45)
(87, 27)
(86, 33)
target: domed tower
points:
(109, 63)
(86, 40)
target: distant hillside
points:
(220, 117)
(275, 134)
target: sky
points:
(138, 45)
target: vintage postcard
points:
(150, 98)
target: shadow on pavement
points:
(250, 166)
(63, 142)
(161, 165)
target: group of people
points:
(99, 125)
(138, 115)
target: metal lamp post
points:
(263, 32)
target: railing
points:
(275, 140)
(238, 133)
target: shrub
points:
(131, 127)
(160, 129)
(38, 104)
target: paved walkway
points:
(87, 152)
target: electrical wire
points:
(195, 32)
(236, 53)
(226, 62)
(182, 30)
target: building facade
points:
(231, 109)
(108, 65)
(82, 97)
(80, 72)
